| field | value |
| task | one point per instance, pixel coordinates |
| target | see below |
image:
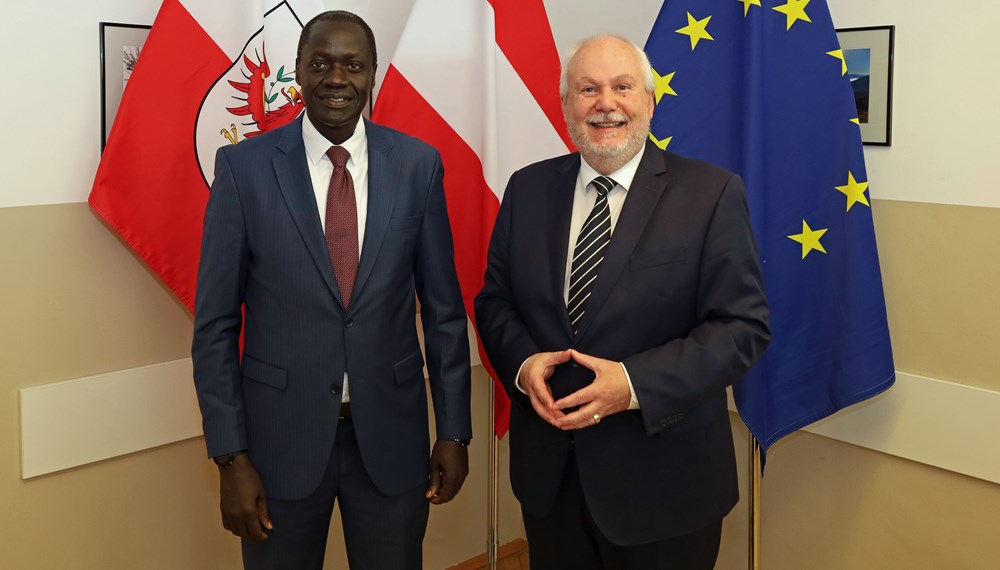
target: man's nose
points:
(335, 76)
(606, 101)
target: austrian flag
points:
(479, 81)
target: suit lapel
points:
(646, 190)
(296, 187)
(382, 188)
(558, 214)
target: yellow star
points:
(856, 121)
(809, 238)
(662, 144)
(854, 190)
(747, 4)
(839, 54)
(794, 10)
(662, 83)
(696, 30)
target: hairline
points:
(644, 64)
(337, 16)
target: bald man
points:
(623, 294)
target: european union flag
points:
(761, 87)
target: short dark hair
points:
(337, 16)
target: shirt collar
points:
(317, 144)
(623, 176)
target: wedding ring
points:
(597, 418)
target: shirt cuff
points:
(634, 404)
(517, 379)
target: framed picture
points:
(121, 45)
(868, 53)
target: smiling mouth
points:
(607, 124)
(607, 121)
(335, 100)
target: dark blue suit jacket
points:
(263, 250)
(679, 299)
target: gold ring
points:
(597, 418)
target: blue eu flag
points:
(761, 87)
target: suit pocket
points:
(264, 373)
(407, 223)
(658, 258)
(409, 368)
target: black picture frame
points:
(872, 78)
(120, 45)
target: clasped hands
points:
(608, 394)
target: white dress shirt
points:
(584, 198)
(321, 170)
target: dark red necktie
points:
(342, 223)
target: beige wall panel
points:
(830, 505)
(736, 525)
(153, 510)
(940, 269)
(77, 302)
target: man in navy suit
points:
(319, 238)
(622, 296)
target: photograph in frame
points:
(868, 55)
(121, 45)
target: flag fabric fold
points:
(761, 89)
(204, 79)
(466, 79)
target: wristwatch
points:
(462, 442)
(224, 461)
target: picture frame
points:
(120, 46)
(868, 52)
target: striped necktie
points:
(589, 251)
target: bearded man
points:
(622, 295)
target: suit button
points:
(334, 389)
(349, 323)
(574, 365)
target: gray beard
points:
(607, 158)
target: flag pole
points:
(753, 538)
(492, 511)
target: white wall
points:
(52, 113)
(946, 90)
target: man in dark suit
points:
(622, 295)
(324, 233)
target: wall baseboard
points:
(67, 424)
(505, 550)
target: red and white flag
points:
(211, 73)
(478, 80)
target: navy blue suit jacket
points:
(263, 250)
(679, 298)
